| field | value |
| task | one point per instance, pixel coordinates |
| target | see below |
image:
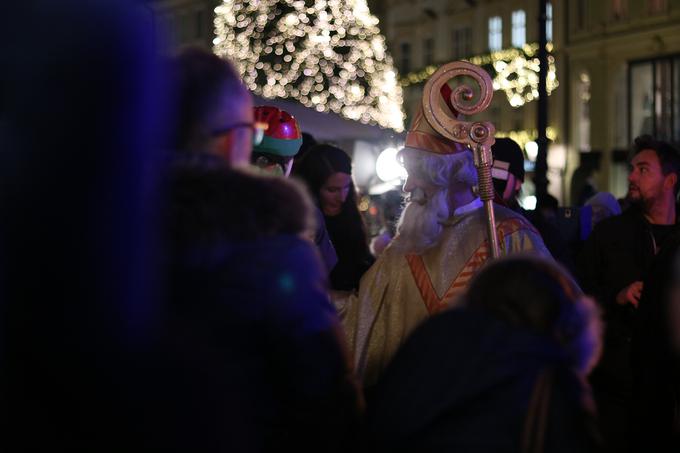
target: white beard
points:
(420, 225)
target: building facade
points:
(623, 69)
(184, 22)
(502, 36)
(616, 72)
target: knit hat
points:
(507, 159)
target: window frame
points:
(519, 28)
(495, 34)
(674, 62)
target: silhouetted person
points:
(508, 176)
(655, 413)
(503, 372)
(78, 164)
(582, 185)
(613, 265)
(259, 357)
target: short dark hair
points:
(669, 156)
(199, 77)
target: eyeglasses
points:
(256, 128)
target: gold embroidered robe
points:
(399, 291)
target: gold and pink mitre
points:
(423, 137)
(436, 127)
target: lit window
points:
(495, 33)
(654, 88)
(519, 28)
(548, 21)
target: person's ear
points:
(222, 146)
(670, 180)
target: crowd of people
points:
(182, 270)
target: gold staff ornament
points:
(478, 136)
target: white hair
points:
(420, 224)
(443, 170)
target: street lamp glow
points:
(532, 150)
(529, 203)
(388, 167)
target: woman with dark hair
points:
(504, 373)
(327, 171)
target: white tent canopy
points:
(329, 126)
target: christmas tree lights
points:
(327, 54)
(522, 137)
(514, 71)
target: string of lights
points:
(514, 70)
(329, 56)
(524, 136)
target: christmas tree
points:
(327, 54)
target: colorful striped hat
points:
(282, 136)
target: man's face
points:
(419, 224)
(646, 180)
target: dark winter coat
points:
(470, 383)
(323, 241)
(619, 251)
(656, 366)
(258, 363)
(354, 257)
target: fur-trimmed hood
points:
(210, 202)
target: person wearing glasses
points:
(259, 349)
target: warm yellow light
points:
(333, 49)
(516, 73)
(522, 137)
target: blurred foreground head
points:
(504, 373)
(79, 124)
(536, 294)
(213, 109)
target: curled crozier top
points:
(444, 121)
